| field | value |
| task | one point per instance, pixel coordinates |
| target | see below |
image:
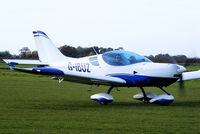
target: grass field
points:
(33, 104)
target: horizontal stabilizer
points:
(41, 70)
(13, 62)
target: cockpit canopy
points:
(122, 58)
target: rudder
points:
(47, 51)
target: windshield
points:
(122, 58)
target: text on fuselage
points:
(79, 67)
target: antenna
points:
(95, 51)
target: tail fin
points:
(47, 51)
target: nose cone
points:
(180, 69)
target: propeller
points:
(181, 85)
(180, 71)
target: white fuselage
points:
(83, 65)
(147, 69)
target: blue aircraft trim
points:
(12, 64)
(35, 32)
(102, 100)
(163, 101)
(141, 80)
(48, 71)
(40, 36)
(39, 33)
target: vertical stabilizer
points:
(47, 51)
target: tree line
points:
(77, 52)
(26, 53)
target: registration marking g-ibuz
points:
(79, 67)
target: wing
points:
(78, 77)
(191, 75)
(12, 62)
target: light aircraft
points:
(114, 69)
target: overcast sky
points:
(142, 26)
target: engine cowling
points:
(102, 98)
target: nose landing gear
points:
(147, 97)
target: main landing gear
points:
(147, 97)
(103, 98)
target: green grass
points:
(193, 68)
(35, 104)
(3, 65)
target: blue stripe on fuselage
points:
(141, 80)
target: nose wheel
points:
(163, 99)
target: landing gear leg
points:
(164, 91)
(145, 99)
(110, 89)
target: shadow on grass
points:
(186, 104)
(75, 105)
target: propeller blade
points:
(181, 85)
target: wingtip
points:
(12, 64)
